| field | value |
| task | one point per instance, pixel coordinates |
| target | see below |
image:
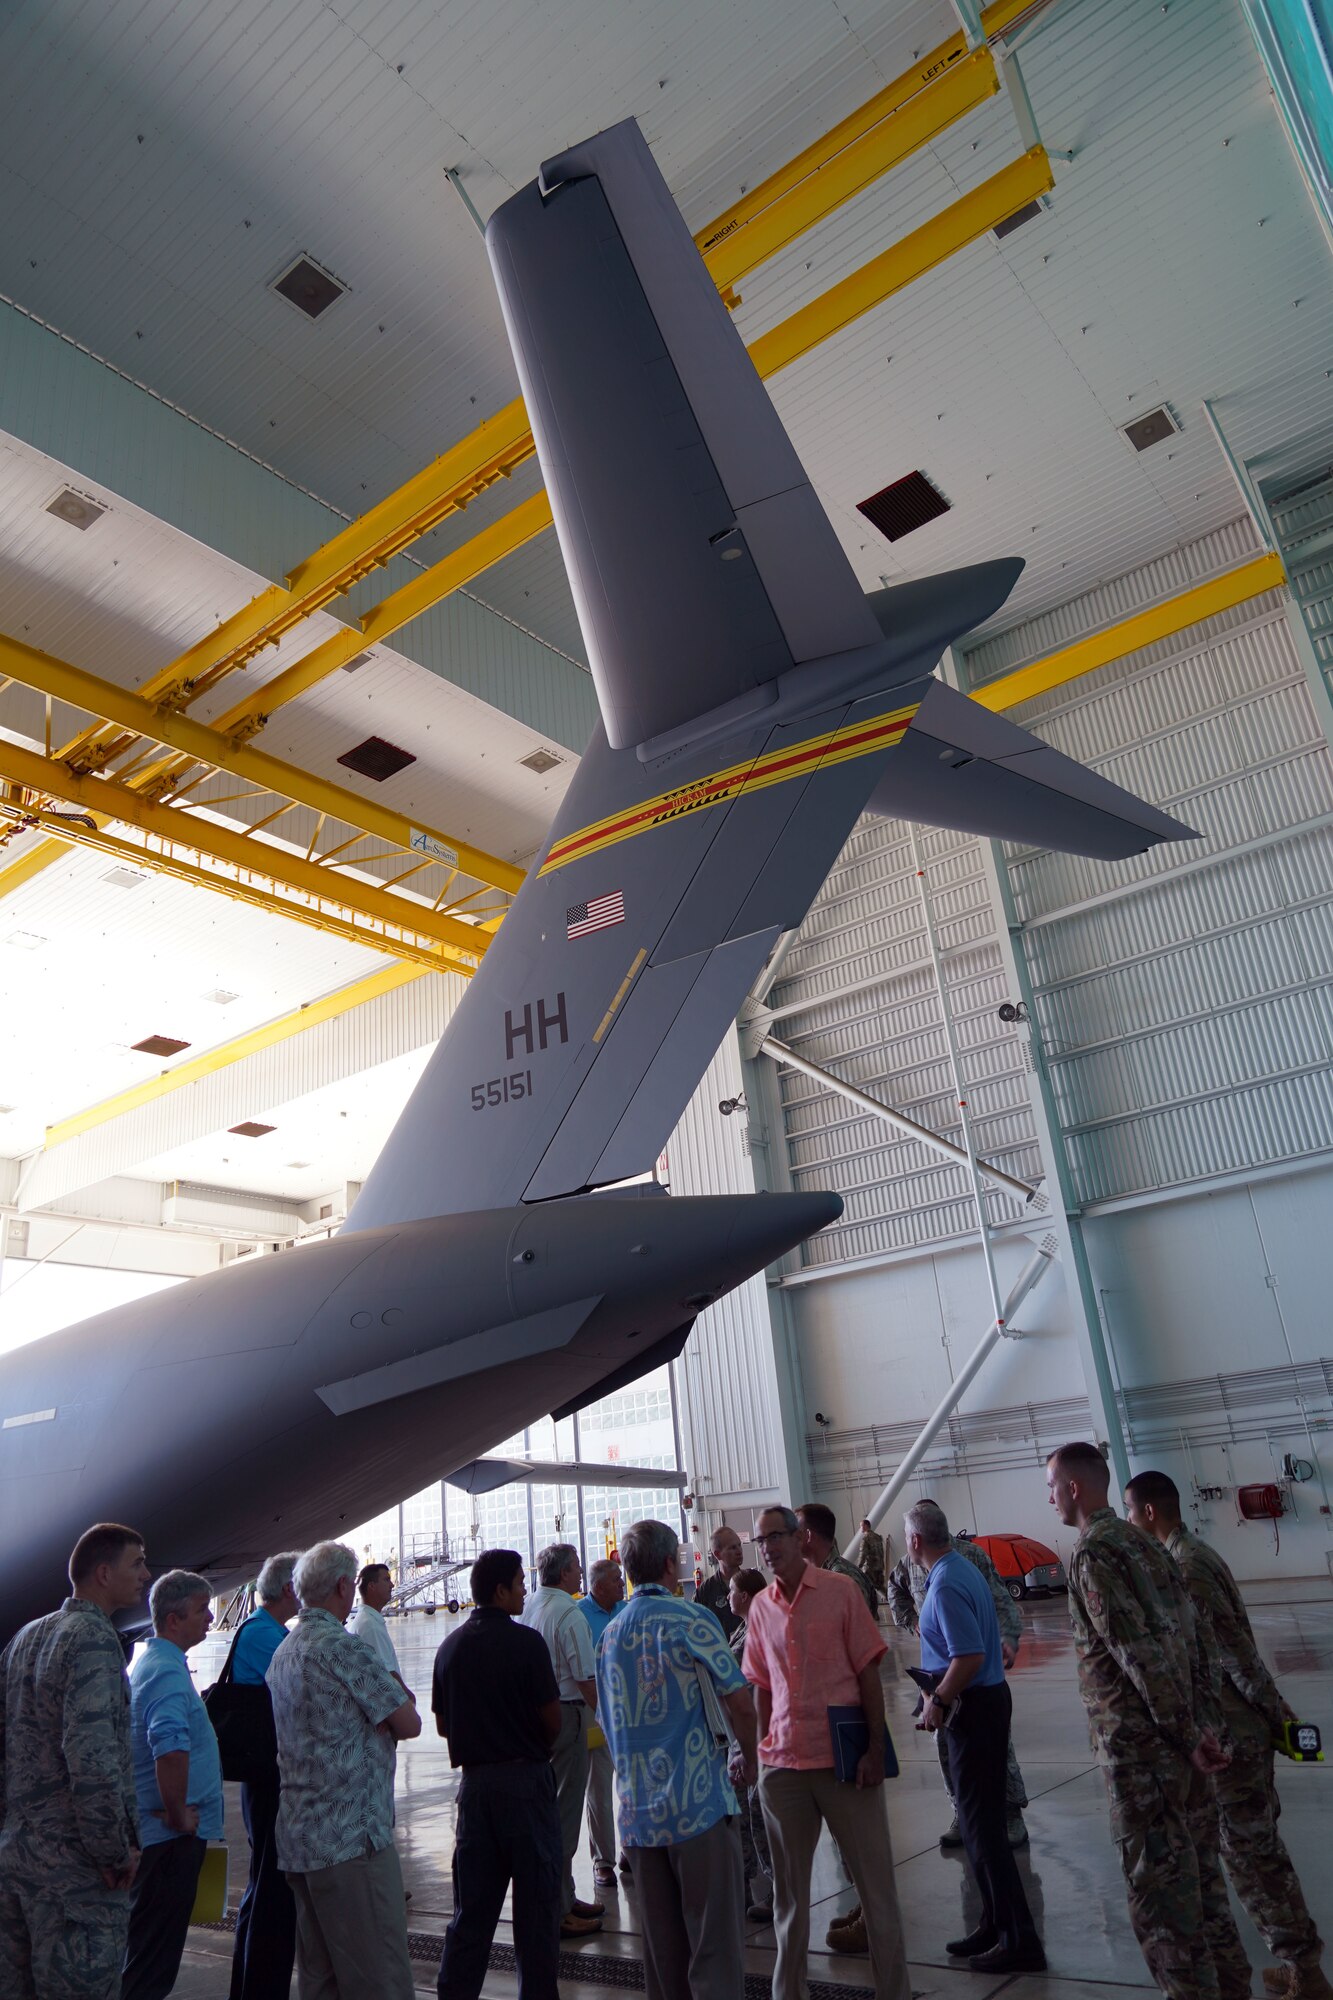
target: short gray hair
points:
(173, 1591)
(608, 1566)
(927, 1519)
(275, 1575)
(554, 1561)
(789, 1520)
(320, 1570)
(647, 1548)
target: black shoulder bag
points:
(242, 1719)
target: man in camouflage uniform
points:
(819, 1545)
(1253, 1713)
(870, 1556)
(907, 1593)
(1145, 1673)
(69, 1843)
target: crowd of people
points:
(711, 1740)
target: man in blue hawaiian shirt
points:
(667, 1689)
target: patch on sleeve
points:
(1093, 1600)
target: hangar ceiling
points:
(163, 164)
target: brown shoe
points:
(852, 1916)
(581, 1909)
(849, 1937)
(1277, 1978)
(1307, 1982)
(572, 1926)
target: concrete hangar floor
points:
(1070, 1872)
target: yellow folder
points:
(210, 1898)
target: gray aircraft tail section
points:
(662, 453)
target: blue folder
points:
(851, 1739)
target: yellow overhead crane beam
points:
(203, 744)
(1144, 628)
(388, 923)
(904, 116)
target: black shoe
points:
(973, 1944)
(1007, 1958)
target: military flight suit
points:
(1252, 1714)
(907, 1593)
(1145, 1675)
(67, 1782)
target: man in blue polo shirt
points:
(265, 1947)
(665, 1680)
(960, 1641)
(177, 1783)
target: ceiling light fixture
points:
(124, 878)
(25, 940)
(350, 666)
(906, 505)
(541, 761)
(308, 286)
(220, 997)
(377, 759)
(75, 508)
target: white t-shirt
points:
(368, 1625)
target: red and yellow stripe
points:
(795, 760)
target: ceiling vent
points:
(309, 287)
(377, 759)
(220, 997)
(25, 940)
(903, 507)
(124, 878)
(251, 1129)
(541, 761)
(76, 508)
(159, 1045)
(1028, 213)
(350, 666)
(1151, 429)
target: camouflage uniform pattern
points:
(69, 1807)
(1252, 1714)
(870, 1555)
(1147, 1676)
(907, 1594)
(842, 1567)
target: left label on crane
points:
(426, 843)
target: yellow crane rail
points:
(209, 746)
(300, 887)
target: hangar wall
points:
(1179, 1057)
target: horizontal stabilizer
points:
(963, 767)
(517, 1341)
(484, 1475)
(667, 1349)
(701, 562)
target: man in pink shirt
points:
(812, 1645)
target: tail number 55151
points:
(502, 1089)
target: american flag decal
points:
(597, 915)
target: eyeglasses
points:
(777, 1535)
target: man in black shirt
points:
(495, 1697)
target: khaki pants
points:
(692, 1908)
(569, 1761)
(796, 1804)
(602, 1805)
(351, 1931)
